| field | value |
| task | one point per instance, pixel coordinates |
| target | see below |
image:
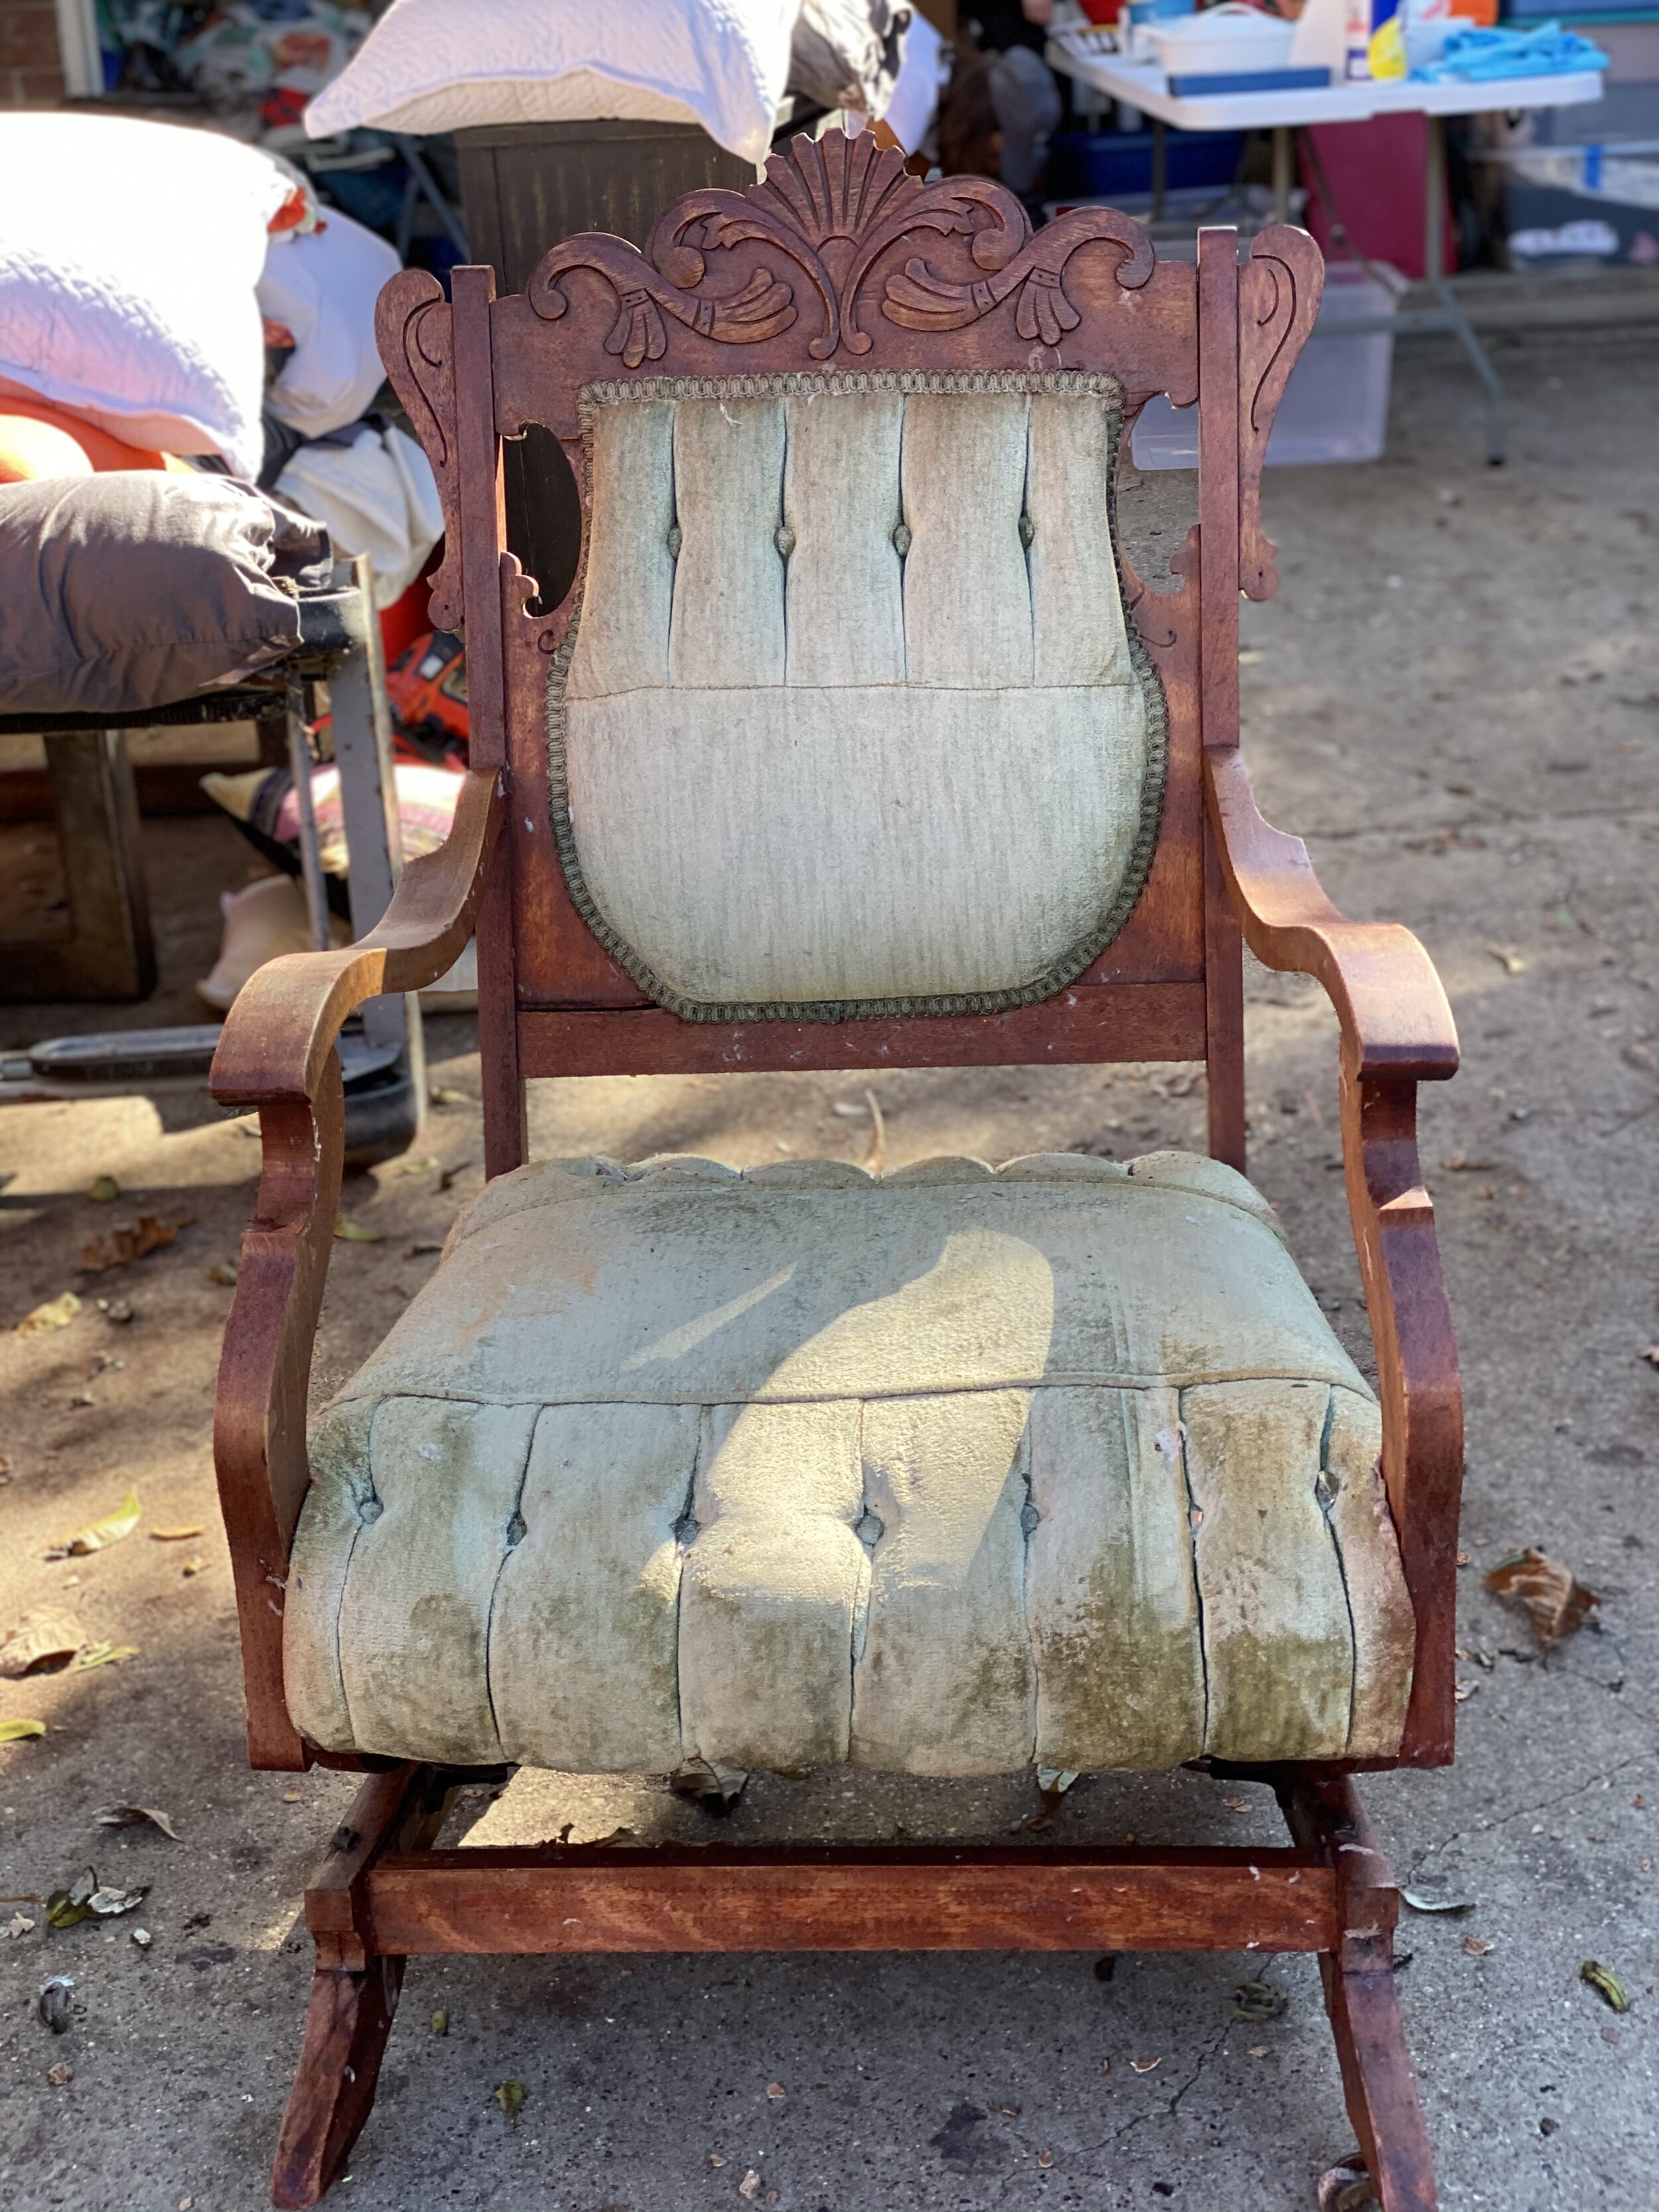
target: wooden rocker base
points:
(383, 1895)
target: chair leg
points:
(354, 1990)
(346, 2030)
(1323, 1811)
(1379, 2088)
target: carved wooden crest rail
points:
(841, 248)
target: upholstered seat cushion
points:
(940, 1474)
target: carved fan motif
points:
(832, 208)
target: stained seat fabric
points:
(942, 1473)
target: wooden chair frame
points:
(840, 260)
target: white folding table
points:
(1083, 55)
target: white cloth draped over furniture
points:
(722, 64)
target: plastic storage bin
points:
(1335, 406)
(1111, 165)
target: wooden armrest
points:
(278, 1053)
(1392, 1005)
(278, 1034)
(1397, 1030)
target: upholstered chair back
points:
(850, 720)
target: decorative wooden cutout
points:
(1279, 293)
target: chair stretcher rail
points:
(555, 1899)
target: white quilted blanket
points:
(129, 256)
(449, 64)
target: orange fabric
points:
(38, 439)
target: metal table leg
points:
(1434, 271)
(1284, 144)
(311, 861)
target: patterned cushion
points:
(851, 721)
(941, 1474)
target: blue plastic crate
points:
(1111, 164)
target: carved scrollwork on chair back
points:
(414, 327)
(1279, 293)
(833, 208)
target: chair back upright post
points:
(1218, 398)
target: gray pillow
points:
(140, 587)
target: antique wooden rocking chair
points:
(856, 743)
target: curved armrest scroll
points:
(279, 1034)
(276, 1052)
(1397, 1030)
(1393, 1008)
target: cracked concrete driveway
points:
(1457, 699)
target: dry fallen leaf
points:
(174, 1536)
(1347, 2187)
(1236, 1804)
(126, 1242)
(60, 2076)
(1144, 2065)
(15, 1731)
(1419, 1901)
(99, 1535)
(715, 2159)
(1259, 2002)
(749, 2186)
(356, 1232)
(1606, 1984)
(293, 1795)
(1045, 2160)
(1476, 1946)
(509, 2095)
(1258, 2051)
(774, 2090)
(1555, 1603)
(105, 1655)
(49, 1638)
(19, 1924)
(56, 1313)
(136, 1816)
(64, 1907)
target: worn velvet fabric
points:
(851, 721)
(942, 1473)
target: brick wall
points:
(31, 73)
